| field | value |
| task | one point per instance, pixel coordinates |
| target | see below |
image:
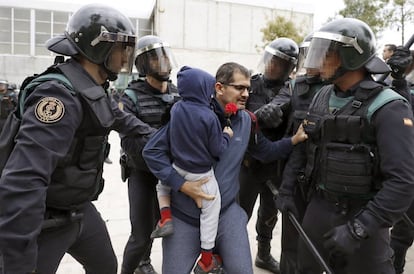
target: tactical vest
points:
(153, 109)
(301, 99)
(342, 152)
(78, 176)
(7, 104)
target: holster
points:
(125, 169)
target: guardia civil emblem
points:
(49, 110)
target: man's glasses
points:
(240, 88)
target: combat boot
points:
(145, 267)
(264, 259)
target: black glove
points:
(269, 116)
(344, 239)
(286, 202)
(399, 62)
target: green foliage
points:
(280, 27)
(403, 14)
(372, 12)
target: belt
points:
(342, 199)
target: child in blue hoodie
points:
(197, 141)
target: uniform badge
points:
(49, 110)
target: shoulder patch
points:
(49, 110)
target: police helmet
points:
(154, 58)
(353, 41)
(303, 51)
(279, 59)
(93, 32)
(3, 86)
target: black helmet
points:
(303, 51)
(154, 58)
(279, 59)
(93, 31)
(3, 86)
(352, 40)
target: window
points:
(5, 30)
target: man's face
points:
(120, 58)
(236, 92)
(276, 69)
(386, 53)
(330, 64)
(3, 88)
(160, 64)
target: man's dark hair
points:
(391, 47)
(226, 71)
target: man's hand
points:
(299, 136)
(399, 62)
(342, 240)
(193, 189)
(285, 202)
(269, 116)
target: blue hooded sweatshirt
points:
(196, 136)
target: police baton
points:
(309, 244)
(407, 45)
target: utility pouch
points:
(347, 168)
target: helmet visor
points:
(156, 59)
(303, 51)
(323, 55)
(121, 58)
(275, 65)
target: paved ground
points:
(113, 205)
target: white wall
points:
(202, 33)
(207, 33)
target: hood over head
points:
(195, 85)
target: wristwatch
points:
(359, 230)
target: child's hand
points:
(228, 130)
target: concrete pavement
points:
(113, 205)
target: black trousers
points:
(86, 240)
(251, 185)
(144, 215)
(373, 257)
(402, 236)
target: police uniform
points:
(304, 90)
(402, 233)
(255, 175)
(8, 102)
(152, 107)
(358, 172)
(55, 171)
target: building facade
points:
(202, 33)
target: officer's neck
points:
(94, 70)
(157, 84)
(349, 79)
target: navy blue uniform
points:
(389, 196)
(8, 102)
(52, 147)
(152, 108)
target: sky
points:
(322, 10)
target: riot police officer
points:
(278, 61)
(8, 101)
(358, 155)
(55, 169)
(402, 233)
(149, 99)
(307, 84)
